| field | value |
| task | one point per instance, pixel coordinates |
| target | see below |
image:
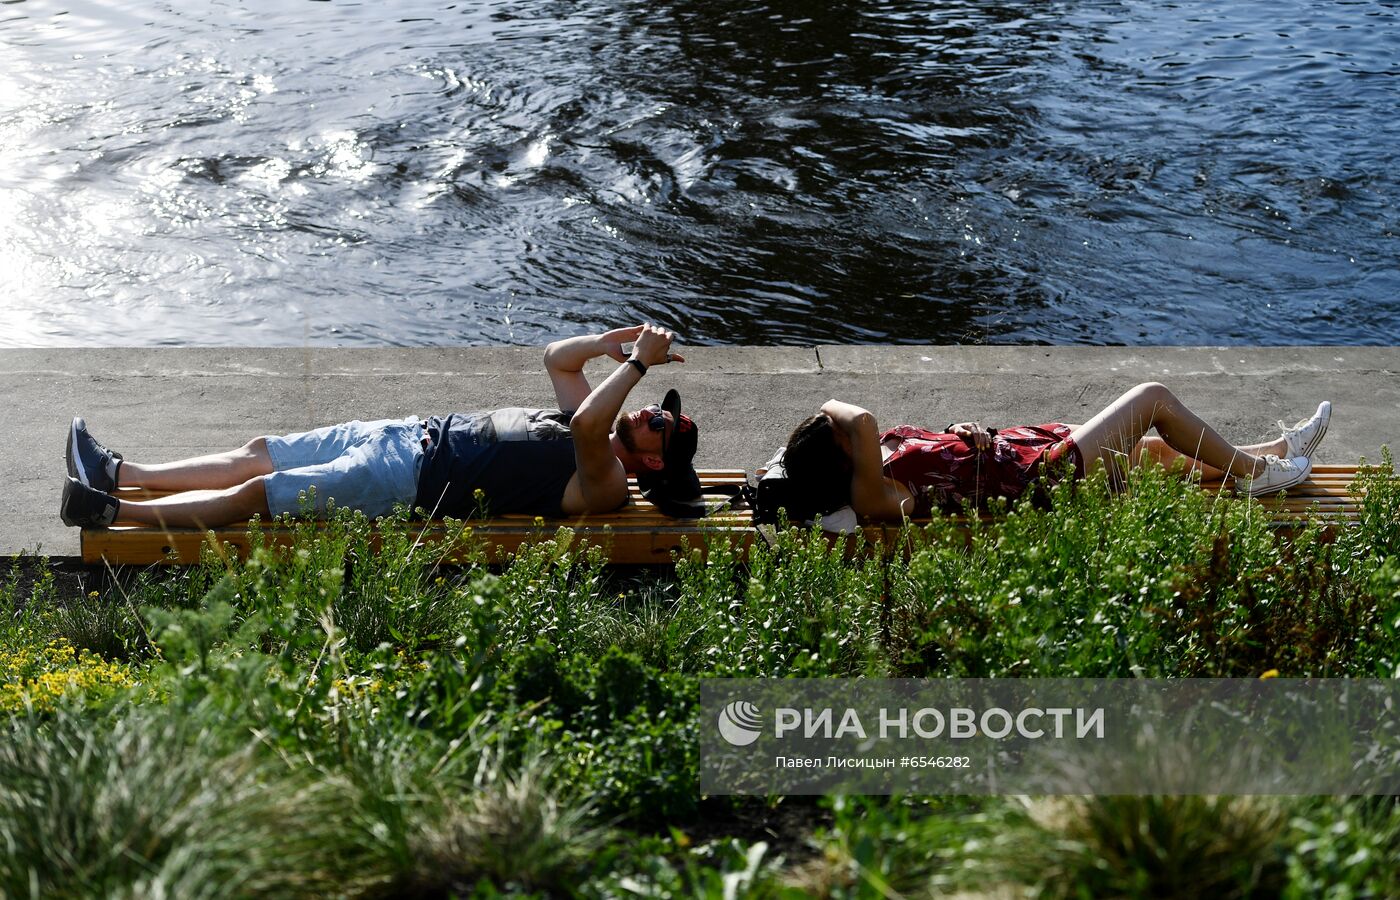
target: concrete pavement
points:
(161, 404)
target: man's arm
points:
(601, 479)
(564, 360)
(872, 494)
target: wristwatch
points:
(641, 366)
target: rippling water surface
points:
(414, 172)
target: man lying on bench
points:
(553, 462)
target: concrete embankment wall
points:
(161, 404)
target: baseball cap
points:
(675, 490)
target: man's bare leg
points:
(201, 508)
(214, 472)
(1111, 436)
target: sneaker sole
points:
(1274, 489)
(63, 504)
(75, 470)
(1307, 449)
(70, 487)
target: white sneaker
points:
(1279, 475)
(1304, 437)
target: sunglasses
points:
(656, 421)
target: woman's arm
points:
(974, 434)
(872, 494)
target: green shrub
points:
(1344, 848)
(1377, 531)
(1164, 580)
(143, 804)
(895, 846)
(40, 679)
(625, 731)
(431, 816)
(418, 725)
(805, 607)
(721, 870)
(536, 674)
(1154, 846)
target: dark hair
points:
(816, 464)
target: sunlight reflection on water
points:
(335, 173)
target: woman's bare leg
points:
(199, 509)
(201, 473)
(1158, 450)
(1111, 436)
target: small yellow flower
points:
(37, 678)
(1272, 673)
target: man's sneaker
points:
(86, 507)
(1304, 437)
(1279, 475)
(90, 462)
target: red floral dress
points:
(943, 471)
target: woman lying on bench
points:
(840, 458)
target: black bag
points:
(736, 496)
(775, 492)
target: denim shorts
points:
(369, 466)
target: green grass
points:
(346, 718)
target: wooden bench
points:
(637, 533)
(1325, 495)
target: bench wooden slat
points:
(629, 545)
(635, 534)
(708, 477)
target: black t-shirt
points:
(520, 459)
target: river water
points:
(417, 173)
